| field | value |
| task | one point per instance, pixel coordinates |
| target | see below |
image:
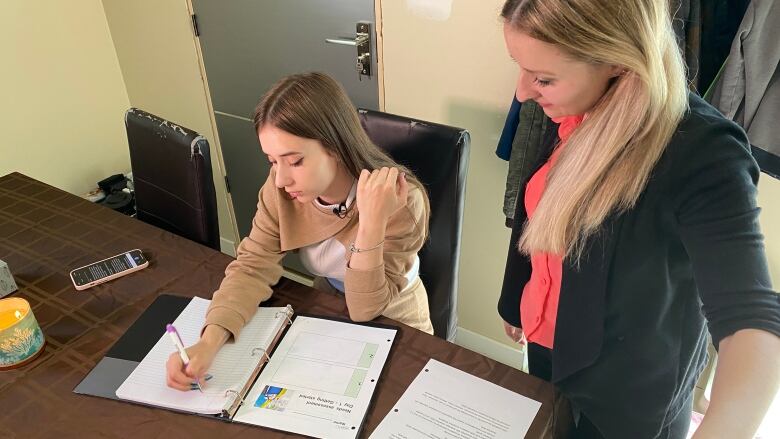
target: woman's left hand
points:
(380, 193)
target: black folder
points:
(123, 357)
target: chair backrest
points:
(172, 176)
(438, 155)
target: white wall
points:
(62, 94)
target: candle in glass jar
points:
(11, 317)
(21, 339)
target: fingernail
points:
(205, 378)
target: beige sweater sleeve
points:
(248, 279)
(368, 292)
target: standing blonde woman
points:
(637, 234)
(356, 218)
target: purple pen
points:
(174, 334)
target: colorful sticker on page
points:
(274, 398)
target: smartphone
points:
(108, 269)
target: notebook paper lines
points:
(231, 368)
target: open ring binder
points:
(272, 374)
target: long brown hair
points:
(609, 158)
(315, 106)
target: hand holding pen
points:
(179, 368)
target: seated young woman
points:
(356, 218)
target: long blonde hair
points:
(608, 159)
(315, 106)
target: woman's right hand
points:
(515, 333)
(201, 355)
(380, 193)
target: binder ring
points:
(238, 395)
(256, 351)
(287, 312)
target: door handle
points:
(362, 42)
(360, 39)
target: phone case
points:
(109, 277)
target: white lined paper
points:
(231, 368)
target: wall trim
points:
(490, 348)
(227, 246)
(298, 277)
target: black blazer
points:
(630, 336)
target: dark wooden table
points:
(46, 232)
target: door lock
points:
(363, 65)
(362, 42)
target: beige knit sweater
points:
(282, 224)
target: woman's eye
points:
(298, 163)
(542, 82)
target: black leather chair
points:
(172, 176)
(438, 155)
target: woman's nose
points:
(282, 177)
(525, 89)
